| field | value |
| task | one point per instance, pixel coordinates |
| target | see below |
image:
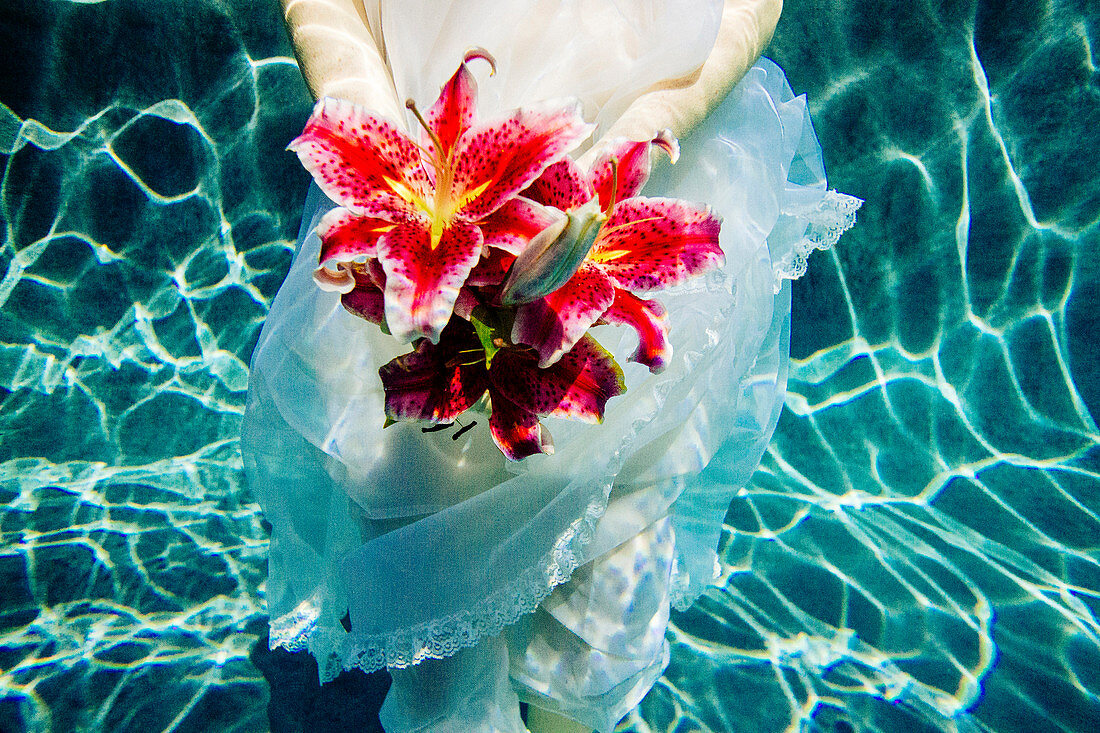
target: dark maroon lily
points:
(438, 382)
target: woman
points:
(480, 582)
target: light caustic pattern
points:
(149, 214)
(918, 552)
(921, 548)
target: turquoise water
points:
(920, 550)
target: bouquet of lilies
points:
(485, 246)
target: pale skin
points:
(341, 57)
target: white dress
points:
(481, 582)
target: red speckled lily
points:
(614, 245)
(438, 382)
(427, 209)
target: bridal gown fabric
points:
(481, 582)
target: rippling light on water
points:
(920, 550)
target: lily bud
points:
(553, 255)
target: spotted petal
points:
(361, 161)
(422, 282)
(492, 267)
(346, 236)
(434, 382)
(496, 160)
(555, 323)
(623, 168)
(650, 243)
(516, 431)
(563, 185)
(455, 110)
(577, 386)
(515, 223)
(650, 320)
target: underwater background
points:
(920, 550)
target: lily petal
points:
(516, 431)
(435, 382)
(622, 170)
(345, 236)
(514, 224)
(563, 185)
(578, 386)
(466, 302)
(650, 320)
(377, 273)
(422, 282)
(365, 299)
(454, 111)
(360, 161)
(650, 243)
(555, 323)
(496, 160)
(492, 267)
(337, 279)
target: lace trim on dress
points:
(440, 638)
(826, 221)
(313, 625)
(337, 650)
(444, 637)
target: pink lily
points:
(438, 382)
(642, 244)
(427, 210)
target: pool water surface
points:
(920, 549)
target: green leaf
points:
(486, 334)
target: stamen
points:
(411, 106)
(477, 52)
(614, 185)
(463, 429)
(617, 227)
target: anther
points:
(458, 434)
(613, 199)
(411, 106)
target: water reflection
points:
(919, 550)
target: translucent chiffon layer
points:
(432, 545)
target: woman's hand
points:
(340, 55)
(681, 104)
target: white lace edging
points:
(337, 650)
(826, 221)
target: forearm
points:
(339, 57)
(746, 29)
(337, 54)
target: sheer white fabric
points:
(433, 545)
(603, 53)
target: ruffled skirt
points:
(549, 580)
